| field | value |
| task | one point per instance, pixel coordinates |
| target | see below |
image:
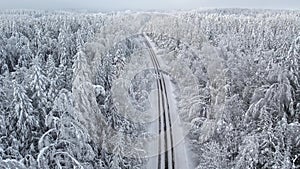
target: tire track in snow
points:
(163, 101)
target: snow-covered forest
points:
(235, 72)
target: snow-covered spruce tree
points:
(266, 118)
(292, 62)
(66, 46)
(117, 152)
(22, 125)
(38, 85)
(25, 56)
(6, 92)
(105, 157)
(52, 76)
(6, 97)
(66, 144)
(23, 36)
(22, 104)
(12, 51)
(62, 76)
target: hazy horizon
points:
(108, 5)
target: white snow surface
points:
(181, 151)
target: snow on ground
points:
(180, 147)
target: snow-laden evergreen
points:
(236, 73)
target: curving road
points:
(168, 155)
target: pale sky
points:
(108, 5)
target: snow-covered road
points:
(168, 149)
